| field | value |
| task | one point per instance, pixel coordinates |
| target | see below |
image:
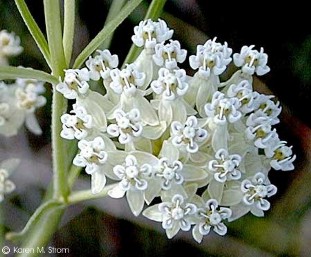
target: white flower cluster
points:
(162, 135)
(9, 46)
(18, 103)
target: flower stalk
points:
(59, 104)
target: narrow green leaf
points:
(54, 35)
(155, 9)
(114, 10)
(105, 32)
(34, 30)
(9, 72)
(69, 28)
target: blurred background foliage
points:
(106, 227)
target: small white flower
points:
(127, 80)
(11, 116)
(96, 105)
(212, 57)
(252, 61)
(75, 83)
(9, 46)
(210, 216)
(168, 55)
(255, 190)
(175, 214)
(170, 84)
(244, 93)
(92, 155)
(136, 180)
(132, 175)
(28, 99)
(281, 156)
(101, 64)
(148, 33)
(128, 126)
(189, 135)
(27, 95)
(265, 107)
(173, 173)
(211, 60)
(225, 166)
(169, 172)
(129, 83)
(223, 109)
(76, 125)
(6, 185)
(261, 133)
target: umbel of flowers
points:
(18, 100)
(163, 136)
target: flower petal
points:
(231, 197)
(192, 173)
(135, 200)
(216, 189)
(98, 182)
(153, 213)
(116, 192)
(173, 231)
(196, 234)
(153, 190)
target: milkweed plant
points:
(192, 152)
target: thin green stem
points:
(105, 32)
(9, 72)
(84, 195)
(34, 30)
(59, 104)
(69, 28)
(154, 11)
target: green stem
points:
(34, 29)
(154, 11)
(84, 195)
(59, 104)
(69, 28)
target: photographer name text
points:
(49, 249)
